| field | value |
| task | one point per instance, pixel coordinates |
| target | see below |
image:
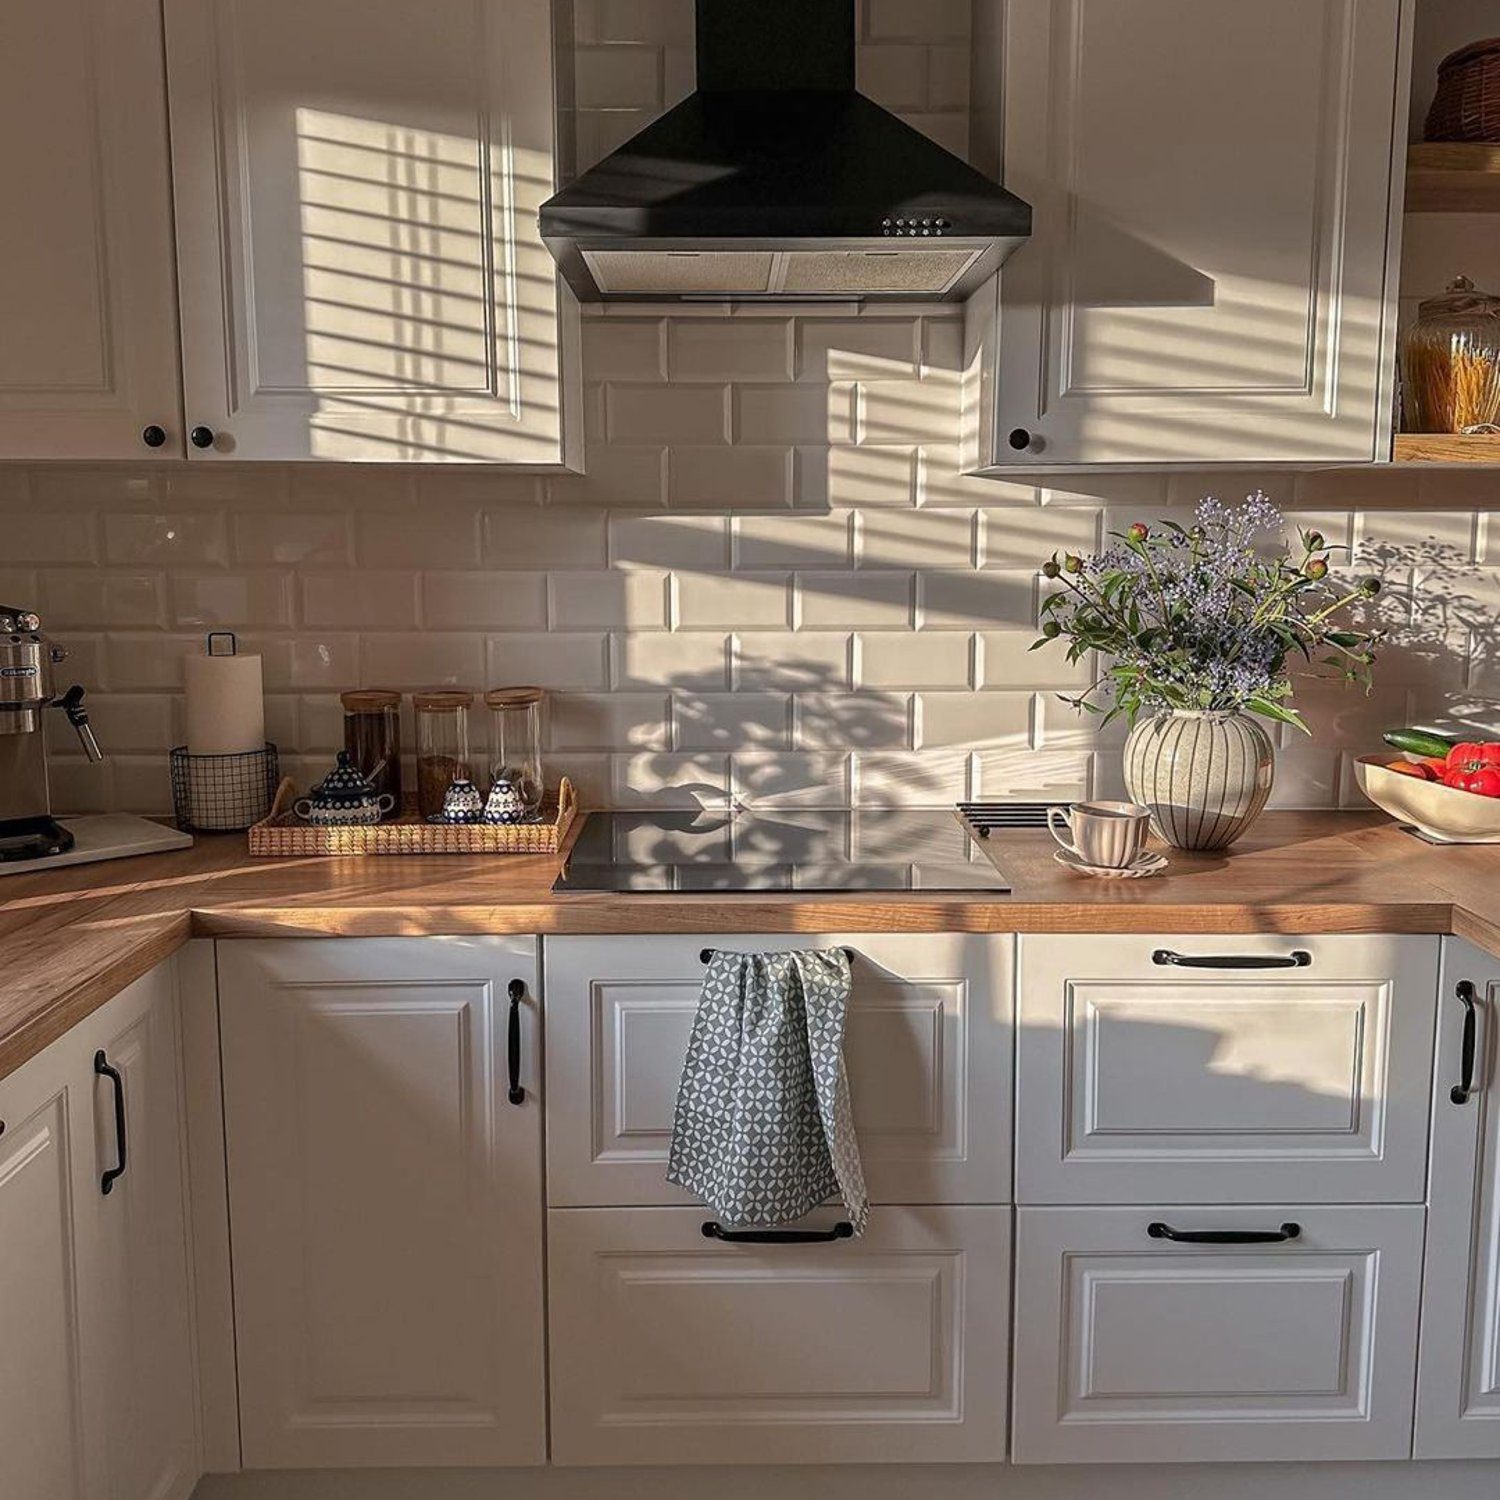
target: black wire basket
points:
(223, 793)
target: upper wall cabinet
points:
(1207, 280)
(357, 185)
(88, 357)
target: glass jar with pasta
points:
(1450, 363)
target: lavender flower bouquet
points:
(1200, 626)
(1208, 617)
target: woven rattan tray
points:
(283, 832)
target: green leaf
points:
(1270, 709)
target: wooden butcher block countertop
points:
(71, 939)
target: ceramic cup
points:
(1110, 834)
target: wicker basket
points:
(284, 833)
(1466, 106)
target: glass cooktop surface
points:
(866, 849)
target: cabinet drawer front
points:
(1145, 1077)
(928, 1046)
(1134, 1348)
(670, 1348)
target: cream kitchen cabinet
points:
(1458, 1393)
(356, 190)
(97, 1392)
(1144, 1337)
(929, 1045)
(385, 1200)
(1210, 274)
(1193, 1068)
(670, 1347)
(88, 356)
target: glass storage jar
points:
(442, 744)
(516, 743)
(1450, 362)
(372, 736)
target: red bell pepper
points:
(1483, 780)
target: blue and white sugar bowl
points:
(505, 805)
(343, 797)
(461, 803)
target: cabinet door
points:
(51, 1440)
(928, 1045)
(150, 1394)
(1458, 1394)
(385, 1201)
(1143, 1349)
(1151, 1072)
(1206, 281)
(672, 1348)
(88, 359)
(357, 185)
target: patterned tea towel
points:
(764, 1130)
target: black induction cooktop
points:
(864, 849)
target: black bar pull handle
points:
(1298, 958)
(713, 1230)
(103, 1069)
(1160, 1231)
(517, 991)
(1463, 1091)
(705, 955)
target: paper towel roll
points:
(226, 710)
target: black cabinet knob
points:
(201, 437)
(1022, 438)
(153, 436)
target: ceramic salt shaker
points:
(505, 804)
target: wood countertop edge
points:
(71, 941)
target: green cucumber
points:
(1418, 741)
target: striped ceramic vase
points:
(1205, 776)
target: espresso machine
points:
(27, 659)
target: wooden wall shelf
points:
(1440, 448)
(1452, 177)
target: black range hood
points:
(777, 181)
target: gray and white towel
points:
(764, 1130)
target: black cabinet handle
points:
(713, 1230)
(516, 1094)
(103, 1069)
(1462, 1092)
(1159, 1231)
(201, 437)
(1298, 958)
(153, 436)
(1022, 438)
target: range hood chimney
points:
(777, 181)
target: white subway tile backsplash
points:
(425, 537)
(774, 778)
(560, 660)
(917, 539)
(978, 720)
(930, 659)
(617, 475)
(1017, 537)
(731, 721)
(921, 20)
(414, 661)
(794, 413)
(853, 721)
(165, 541)
(217, 601)
(545, 537)
(696, 659)
(483, 601)
(864, 348)
(672, 541)
(667, 413)
(624, 349)
(717, 350)
(803, 662)
(304, 539)
(1007, 660)
(608, 601)
(742, 477)
(597, 721)
(74, 599)
(862, 601)
(759, 601)
(794, 541)
(43, 536)
(977, 601)
(370, 598)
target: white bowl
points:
(1441, 812)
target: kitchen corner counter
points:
(73, 938)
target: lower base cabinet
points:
(1134, 1346)
(97, 1398)
(672, 1348)
(385, 1196)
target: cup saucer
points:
(1150, 863)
